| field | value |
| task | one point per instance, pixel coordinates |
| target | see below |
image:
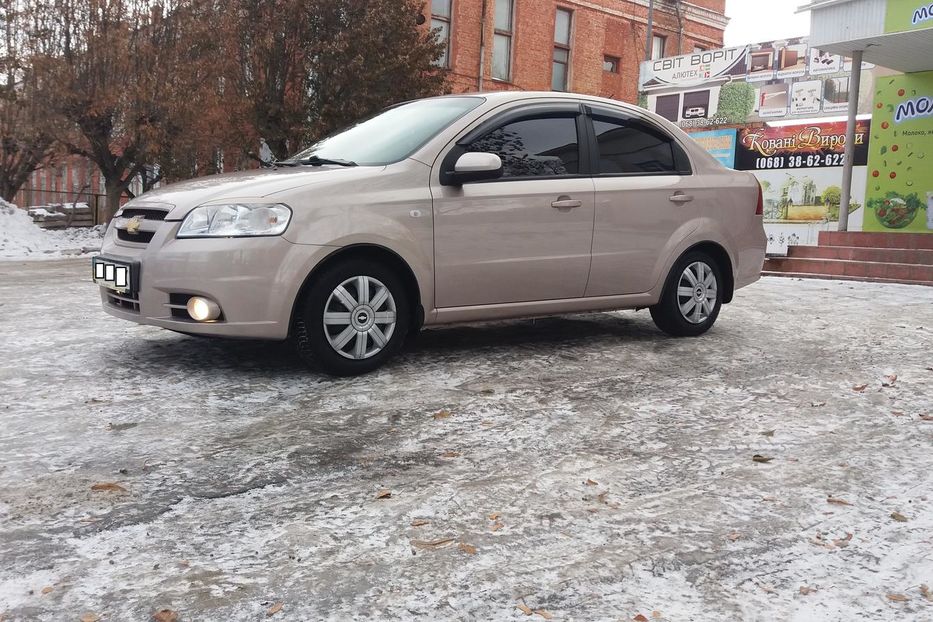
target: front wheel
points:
(692, 297)
(353, 318)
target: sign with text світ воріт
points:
(899, 196)
(696, 68)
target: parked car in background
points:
(451, 209)
(694, 112)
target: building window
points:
(440, 21)
(657, 46)
(560, 71)
(502, 40)
(698, 48)
(611, 64)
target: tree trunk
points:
(114, 190)
(8, 190)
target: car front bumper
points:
(255, 281)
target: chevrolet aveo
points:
(442, 210)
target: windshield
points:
(392, 135)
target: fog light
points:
(202, 309)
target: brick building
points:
(584, 46)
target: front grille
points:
(139, 224)
(127, 301)
(147, 213)
(140, 237)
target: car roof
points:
(511, 96)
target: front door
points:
(524, 237)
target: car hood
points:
(242, 185)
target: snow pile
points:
(21, 238)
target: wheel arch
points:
(723, 261)
(374, 252)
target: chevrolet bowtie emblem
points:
(132, 225)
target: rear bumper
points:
(254, 280)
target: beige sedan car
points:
(450, 209)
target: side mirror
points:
(474, 167)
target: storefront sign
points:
(814, 145)
(908, 15)
(696, 68)
(900, 183)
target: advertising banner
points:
(719, 143)
(775, 80)
(908, 15)
(814, 145)
(800, 171)
(696, 68)
(900, 184)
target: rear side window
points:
(536, 146)
(628, 146)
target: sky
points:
(755, 21)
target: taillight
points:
(760, 210)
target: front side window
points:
(536, 146)
(560, 70)
(634, 146)
(440, 21)
(392, 135)
(502, 40)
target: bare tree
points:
(26, 143)
(304, 68)
(120, 74)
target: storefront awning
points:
(897, 34)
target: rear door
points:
(645, 196)
(527, 236)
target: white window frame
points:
(565, 47)
(436, 20)
(508, 36)
(657, 53)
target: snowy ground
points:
(589, 468)
(21, 238)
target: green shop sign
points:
(908, 15)
(899, 196)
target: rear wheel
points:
(353, 318)
(692, 296)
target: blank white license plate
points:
(112, 274)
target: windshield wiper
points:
(318, 161)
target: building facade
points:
(585, 46)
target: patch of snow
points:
(21, 238)
(41, 212)
(61, 207)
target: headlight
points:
(235, 220)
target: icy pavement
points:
(586, 467)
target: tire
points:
(358, 336)
(674, 314)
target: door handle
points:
(680, 197)
(565, 202)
